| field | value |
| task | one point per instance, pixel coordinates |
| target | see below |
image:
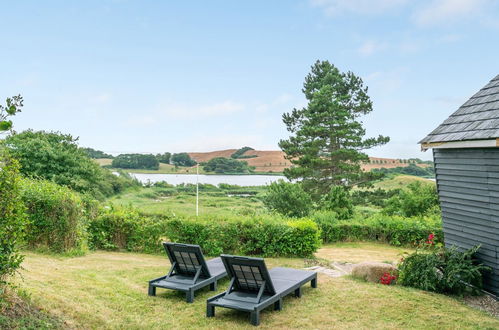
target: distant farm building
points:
(466, 155)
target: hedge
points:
(117, 228)
(264, 235)
(57, 217)
(125, 228)
(395, 230)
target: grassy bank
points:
(109, 290)
(156, 200)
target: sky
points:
(156, 76)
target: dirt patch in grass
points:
(18, 312)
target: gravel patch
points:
(484, 303)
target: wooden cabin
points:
(466, 155)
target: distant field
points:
(400, 181)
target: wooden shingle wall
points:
(468, 188)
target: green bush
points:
(12, 217)
(226, 165)
(288, 199)
(182, 159)
(417, 199)
(338, 200)
(136, 161)
(395, 230)
(264, 236)
(376, 197)
(57, 217)
(117, 228)
(442, 270)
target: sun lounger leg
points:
(210, 311)
(189, 296)
(278, 305)
(213, 286)
(314, 283)
(152, 290)
(298, 292)
(255, 318)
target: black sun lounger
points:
(189, 271)
(253, 287)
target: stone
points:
(372, 271)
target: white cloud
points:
(370, 47)
(100, 98)
(201, 112)
(442, 12)
(370, 7)
(204, 143)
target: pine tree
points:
(327, 137)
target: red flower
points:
(387, 278)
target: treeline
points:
(150, 161)
(96, 154)
(226, 165)
(240, 153)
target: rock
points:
(372, 271)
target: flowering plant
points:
(430, 239)
(387, 278)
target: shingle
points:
(477, 118)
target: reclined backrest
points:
(187, 258)
(249, 273)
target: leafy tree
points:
(136, 161)
(339, 201)
(226, 165)
(164, 158)
(57, 157)
(327, 135)
(96, 154)
(288, 199)
(418, 199)
(12, 106)
(182, 159)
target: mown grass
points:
(152, 201)
(109, 290)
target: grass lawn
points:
(109, 290)
(150, 200)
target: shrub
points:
(377, 197)
(338, 200)
(182, 159)
(226, 165)
(136, 161)
(288, 199)
(395, 230)
(442, 270)
(265, 236)
(117, 228)
(12, 217)
(417, 199)
(57, 217)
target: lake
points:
(240, 180)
